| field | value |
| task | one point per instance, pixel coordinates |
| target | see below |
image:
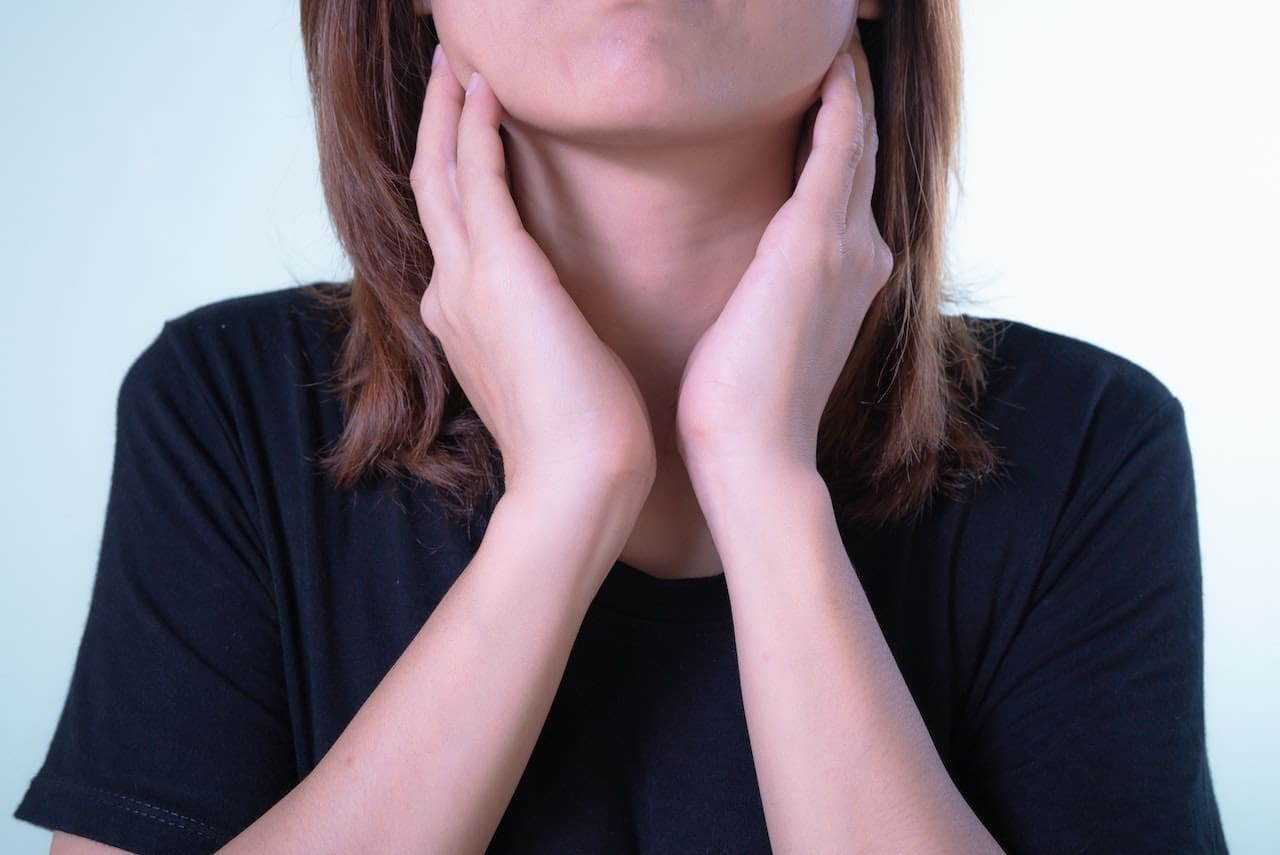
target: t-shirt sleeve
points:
(175, 731)
(1091, 738)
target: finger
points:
(487, 207)
(865, 177)
(433, 174)
(862, 70)
(827, 179)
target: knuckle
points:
(843, 251)
(856, 141)
(423, 177)
(418, 175)
(429, 309)
(882, 261)
(448, 307)
(851, 154)
(835, 254)
(436, 306)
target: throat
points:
(671, 539)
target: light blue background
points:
(1121, 172)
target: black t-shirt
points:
(1049, 625)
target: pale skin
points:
(860, 759)
(700, 299)
(646, 159)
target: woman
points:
(769, 553)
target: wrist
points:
(745, 489)
(725, 470)
(586, 517)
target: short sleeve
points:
(175, 731)
(1091, 738)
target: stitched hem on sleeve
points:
(115, 819)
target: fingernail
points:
(435, 57)
(471, 81)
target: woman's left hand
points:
(760, 377)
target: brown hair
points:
(900, 423)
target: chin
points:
(638, 109)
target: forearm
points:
(843, 758)
(431, 760)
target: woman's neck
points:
(650, 239)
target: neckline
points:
(630, 591)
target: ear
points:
(422, 7)
(868, 9)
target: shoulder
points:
(248, 373)
(247, 345)
(260, 321)
(1080, 431)
(1094, 499)
(1059, 393)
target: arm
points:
(1089, 733)
(843, 759)
(856, 771)
(432, 758)
(185, 589)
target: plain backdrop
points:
(1121, 172)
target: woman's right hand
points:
(558, 401)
